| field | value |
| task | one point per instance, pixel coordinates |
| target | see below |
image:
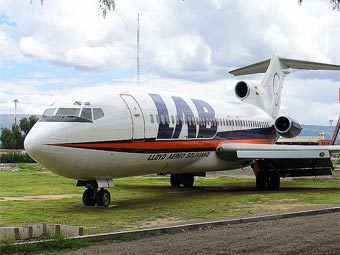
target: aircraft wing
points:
(290, 160)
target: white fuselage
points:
(143, 132)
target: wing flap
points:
(282, 154)
(288, 160)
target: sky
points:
(49, 50)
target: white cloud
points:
(176, 37)
(182, 42)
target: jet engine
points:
(287, 127)
(251, 93)
(243, 90)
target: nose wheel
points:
(92, 197)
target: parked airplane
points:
(98, 134)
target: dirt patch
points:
(261, 209)
(40, 197)
(162, 223)
(286, 207)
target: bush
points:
(16, 157)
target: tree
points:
(6, 139)
(27, 124)
(14, 138)
(104, 5)
(336, 4)
(17, 137)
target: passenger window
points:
(86, 113)
(97, 113)
(172, 119)
(151, 118)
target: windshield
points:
(72, 114)
(48, 112)
(68, 112)
(86, 113)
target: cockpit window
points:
(68, 112)
(86, 113)
(97, 113)
(48, 112)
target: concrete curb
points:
(38, 230)
(189, 227)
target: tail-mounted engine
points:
(250, 93)
(287, 127)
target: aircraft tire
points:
(89, 198)
(187, 180)
(103, 198)
(261, 180)
(274, 181)
(175, 180)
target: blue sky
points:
(49, 50)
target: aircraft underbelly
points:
(103, 164)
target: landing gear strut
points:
(187, 180)
(268, 180)
(266, 176)
(92, 197)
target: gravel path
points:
(310, 235)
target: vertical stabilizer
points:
(272, 83)
(276, 69)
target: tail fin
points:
(336, 138)
(276, 69)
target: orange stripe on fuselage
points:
(162, 145)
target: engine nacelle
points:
(243, 90)
(250, 93)
(287, 127)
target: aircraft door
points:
(137, 117)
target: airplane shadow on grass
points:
(176, 196)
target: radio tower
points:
(138, 65)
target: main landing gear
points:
(266, 176)
(187, 180)
(92, 197)
(268, 180)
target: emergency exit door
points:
(137, 118)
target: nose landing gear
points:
(95, 192)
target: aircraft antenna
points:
(138, 63)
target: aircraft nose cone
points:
(32, 145)
(38, 142)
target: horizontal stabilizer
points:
(261, 67)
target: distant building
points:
(299, 140)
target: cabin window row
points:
(207, 121)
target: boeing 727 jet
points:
(102, 133)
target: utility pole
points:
(138, 64)
(15, 113)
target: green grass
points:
(56, 244)
(149, 201)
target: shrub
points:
(15, 157)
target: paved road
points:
(302, 235)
